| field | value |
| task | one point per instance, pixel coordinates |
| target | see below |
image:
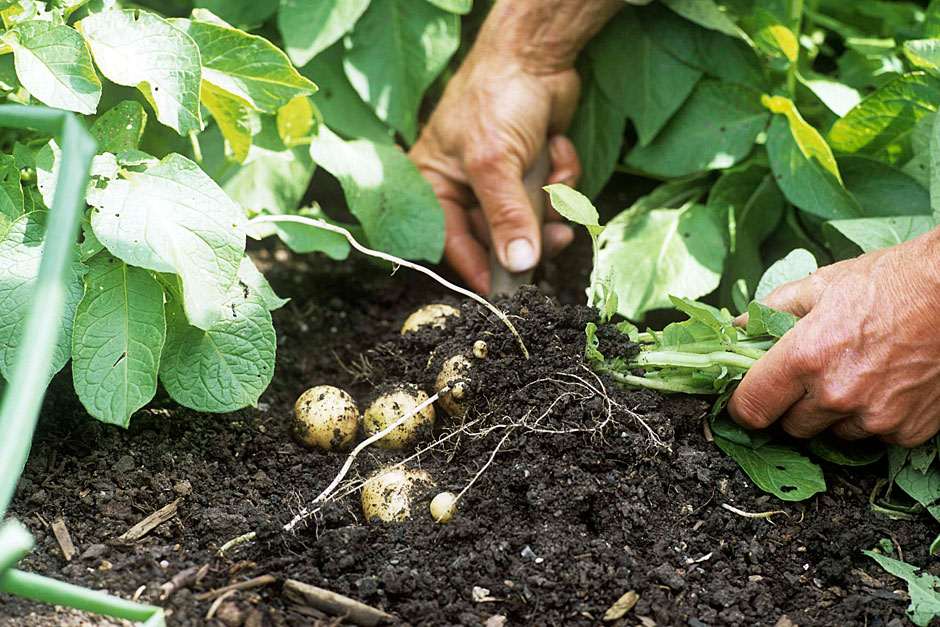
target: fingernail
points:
(520, 255)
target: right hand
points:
(492, 121)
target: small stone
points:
(496, 620)
(94, 551)
(183, 488)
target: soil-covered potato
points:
(434, 315)
(326, 417)
(455, 372)
(391, 406)
(389, 494)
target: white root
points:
(304, 513)
(326, 226)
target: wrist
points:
(542, 36)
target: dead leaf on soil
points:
(621, 606)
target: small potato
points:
(434, 315)
(456, 373)
(388, 495)
(326, 417)
(480, 349)
(391, 406)
(443, 507)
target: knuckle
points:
(486, 157)
(508, 217)
(881, 424)
(836, 398)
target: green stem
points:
(656, 384)
(52, 591)
(692, 360)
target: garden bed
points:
(556, 529)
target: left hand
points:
(864, 358)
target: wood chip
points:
(151, 522)
(335, 604)
(496, 620)
(257, 582)
(621, 606)
(64, 538)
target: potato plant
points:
(201, 124)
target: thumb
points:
(514, 229)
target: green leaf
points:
(272, 178)
(346, 112)
(708, 14)
(120, 128)
(762, 320)
(597, 132)
(396, 50)
(12, 204)
(21, 248)
(838, 451)
(922, 587)
(460, 7)
(246, 66)
(658, 82)
(297, 121)
(225, 367)
(869, 63)
(171, 217)
(650, 255)
(53, 64)
(777, 469)
(719, 321)
(303, 239)
(235, 118)
(806, 181)
(715, 129)
(797, 265)
(923, 53)
(727, 429)
(139, 49)
(117, 339)
(871, 234)
(922, 456)
(923, 487)
(883, 190)
(240, 12)
(572, 205)
(881, 125)
(251, 277)
(838, 97)
(309, 28)
(395, 204)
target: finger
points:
(556, 237)
(481, 230)
(462, 250)
(850, 429)
(769, 389)
(514, 229)
(806, 418)
(566, 167)
(796, 297)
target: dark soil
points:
(581, 503)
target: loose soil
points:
(593, 491)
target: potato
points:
(456, 373)
(443, 507)
(388, 495)
(391, 406)
(326, 417)
(480, 349)
(434, 315)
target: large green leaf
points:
(240, 12)
(805, 180)
(120, 128)
(235, 118)
(396, 50)
(225, 367)
(882, 190)
(460, 7)
(777, 469)
(246, 66)
(658, 82)
(649, 255)
(708, 14)
(117, 340)
(139, 49)
(341, 106)
(797, 265)
(12, 201)
(922, 587)
(597, 132)
(715, 129)
(876, 233)
(309, 28)
(171, 217)
(53, 64)
(395, 204)
(881, 125)
(21, 248)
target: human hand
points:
(864, 358)
(494, 118)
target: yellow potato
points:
(388, 495)
(443, 507)
(434, 315)
(456, 373)
(391, 406)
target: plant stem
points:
(692, 360)
(655, 384)
(326, 226)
